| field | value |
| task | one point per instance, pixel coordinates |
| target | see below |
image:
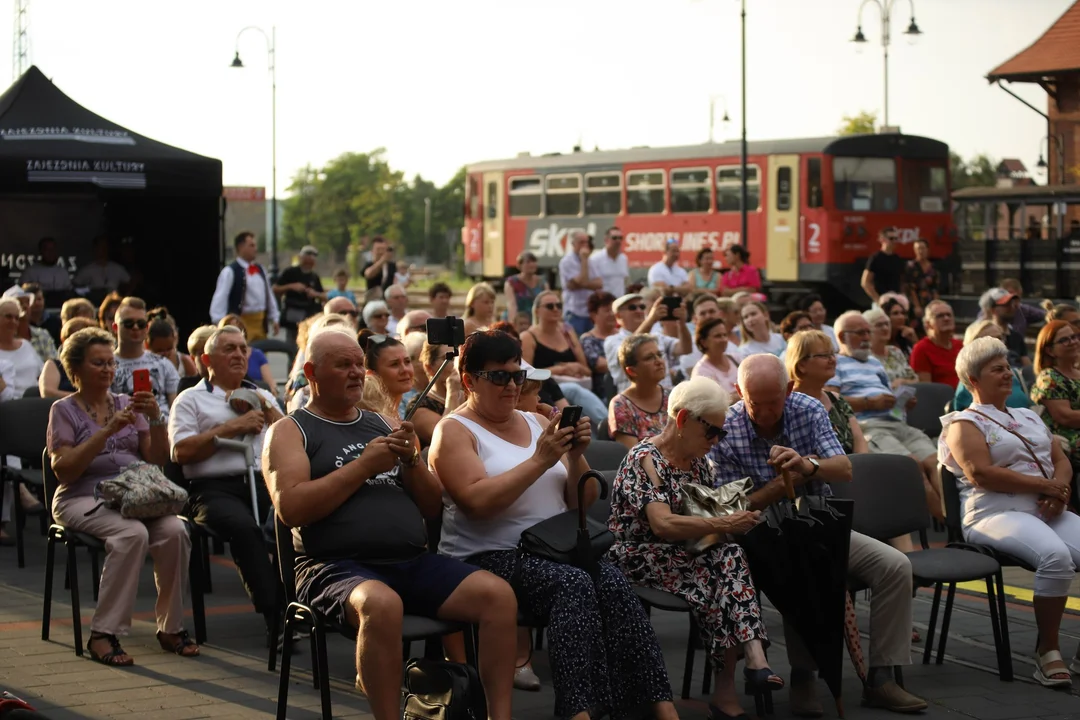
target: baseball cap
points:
(619, 302)
(1000, 296)
(309, 250)
(537, 374)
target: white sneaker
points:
(526, 679)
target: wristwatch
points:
(414, 459)
(816, 464)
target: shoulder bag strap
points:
(1021, 438)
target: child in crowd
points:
(341, 280)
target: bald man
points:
(414, 321)
(773, 434)
(330, 466)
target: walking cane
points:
(249, 459)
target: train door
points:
(494, 265)
(782, 218)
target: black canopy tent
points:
(70, 174)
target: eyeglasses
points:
(711, 431)
(101, 364)
(379, 316)
(859, 333)
(552, 306)
(822, 356)
(130, 324)
(502, 378)
(616, 238)
(1067, 340)
(635, 307)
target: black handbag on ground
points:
(571, 537)
(440, 690)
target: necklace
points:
(109, 412)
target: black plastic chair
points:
(890, 501)
(413, 628)
(605, 454)
(931, 399)
(72, 541)
(23, 424)
(32, 392)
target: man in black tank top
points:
(355, 493)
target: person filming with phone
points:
(135, 365)
(504, 471)
(228, 406)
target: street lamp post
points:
(272, 64)
(742, 169)
(712, 116)
(885, 8)
(1041, 165)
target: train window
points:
(492, 200)
(925, 187)
(783, 188)
(526, 195)
(645, 192)
(729, 188)
(690, 190)
(813, 183)
(603, 193)
(864, 184)
(563, 195)
(474, 199)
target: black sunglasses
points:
(502, 378)
(711, 431)
(635, 308)
(131, 324)
(552, 306)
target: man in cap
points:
(1001, 306)
(243, 289)
(630, 312)
(301, 291)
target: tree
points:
(359, 195)
(980, 171)
(863, 123)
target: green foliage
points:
(980, 171)
(863, 123)
(355, 196)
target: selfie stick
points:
(453, 353)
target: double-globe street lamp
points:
(270, 59)
(885, 8)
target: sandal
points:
(716, 713)
(113, 656)
(1051, 678)
(179, 643)
(761, 680)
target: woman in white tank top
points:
(504, 471)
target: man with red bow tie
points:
(243, 289)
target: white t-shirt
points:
(102, 277)
(25, 366)
(671, 276)
(613, 271)
(163, 377)
(774, 346)
(49, 277)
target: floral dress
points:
(840, 415)
(716, 584)
(896, 364)
(1052, 385)
(627, 418)
(921, 285)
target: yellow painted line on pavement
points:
(1018, 593)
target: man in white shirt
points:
(611, 263)
(397, 299)
(243, 289)
(667, 275)
(580, 279)
(630, 311)
(102, 275)
(47, 272)
(220, 497)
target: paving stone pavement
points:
(230, 679)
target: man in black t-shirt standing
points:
(301, 291)
(885, 269)
(380, 272)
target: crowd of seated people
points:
(703, 389)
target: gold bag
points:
(706, 502)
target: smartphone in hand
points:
(140, 381)
(571, 415)
(672, 303)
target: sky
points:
(442, 83)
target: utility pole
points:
(20, 39)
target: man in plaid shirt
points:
(773, 433)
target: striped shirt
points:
(858, 379)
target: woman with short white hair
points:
(1019, 396)
(376, 316)
(1014, 487)
(651, 534)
